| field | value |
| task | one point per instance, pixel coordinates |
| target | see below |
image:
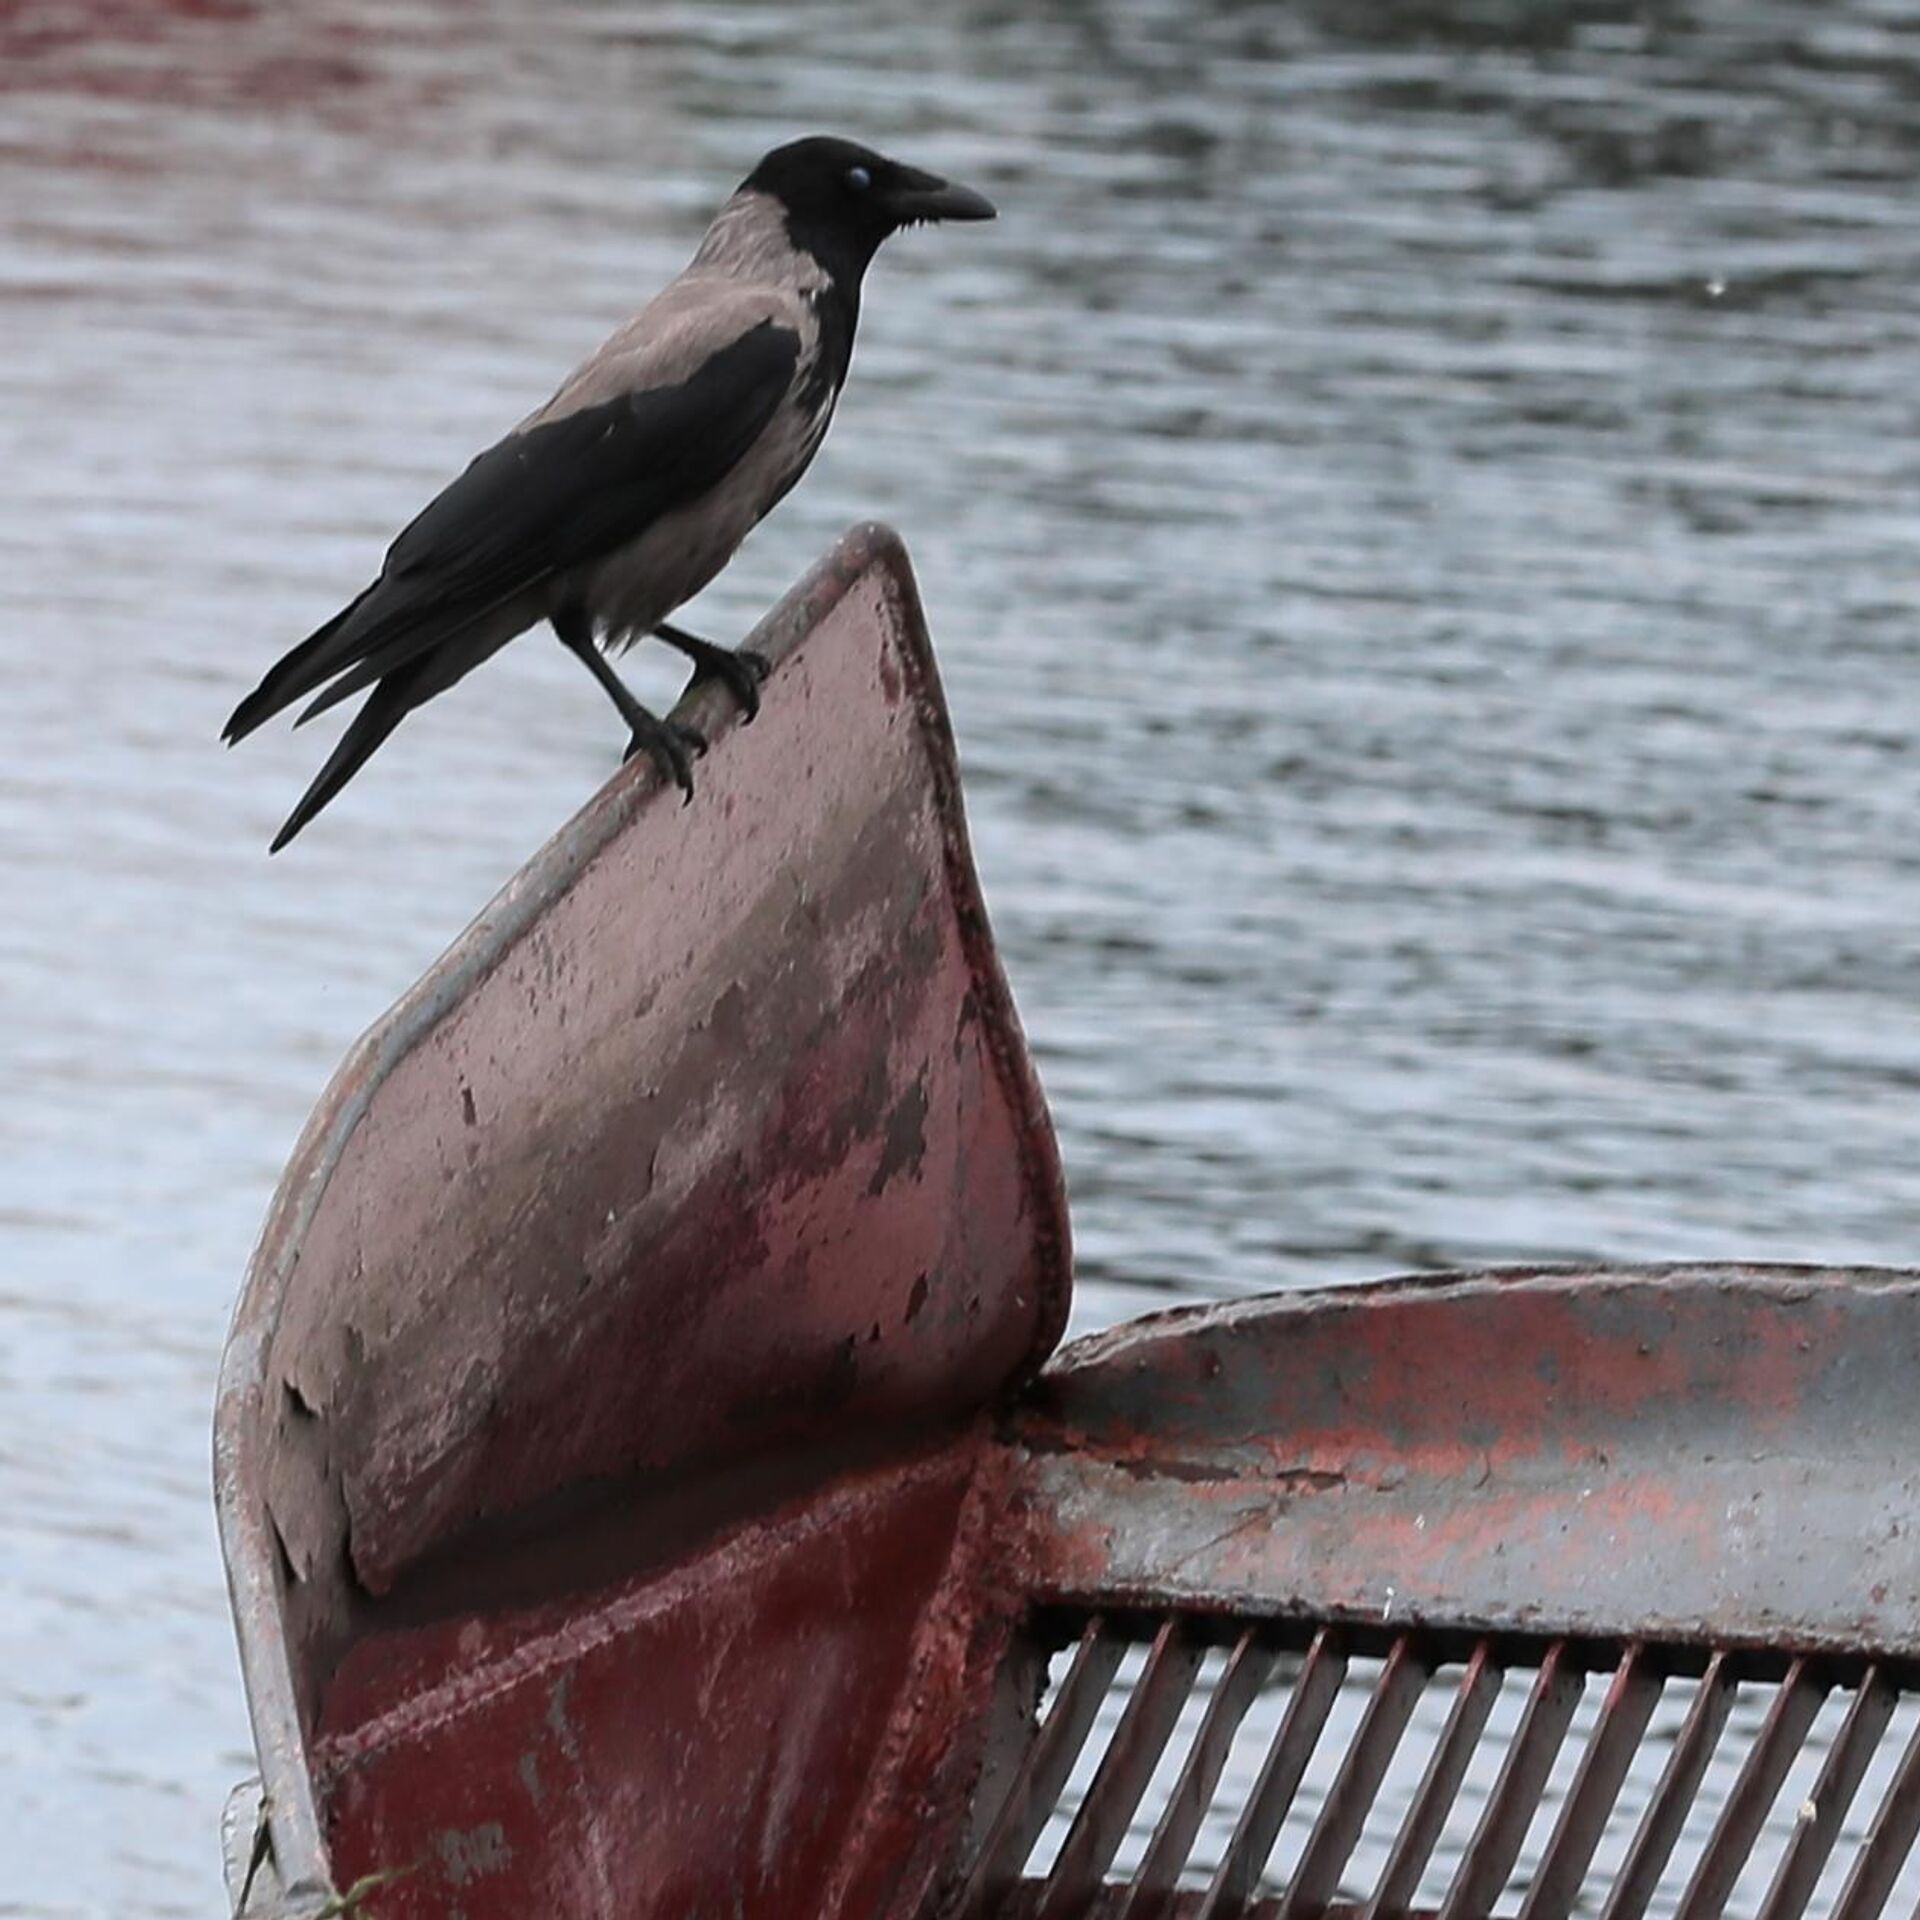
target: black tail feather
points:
(389, 703)
(390, 645)
(294, 673)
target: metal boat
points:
(648, 1486)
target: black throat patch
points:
(836, 311)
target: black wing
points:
(540, 502)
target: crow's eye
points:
(859, 179)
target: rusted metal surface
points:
(1439, 1787)
(1721, 1455)
(1673, 1799)
(1871, 1879)
(1246, 1670)
(1617, 1734)
(1350, 1799)
(633, 1505)
(1840, 1776)
(712, 1141)
(1036, 1787)
(707, 1741)
(1128, 1764)
(1487, 1864)
(1695, 1484)
(1765, 1768)
(1236, 1880)
(1294, 1831)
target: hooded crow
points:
(632, 487)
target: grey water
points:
(1416, 504)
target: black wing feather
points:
(542, 501)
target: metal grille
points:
(1176, 1774)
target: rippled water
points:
(1418, 521)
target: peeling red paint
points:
(1720, 1454)
(635, 1490)
(709, 1164)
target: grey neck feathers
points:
(748, 241)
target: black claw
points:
(740, 669)
(739, 675)
(670, 749)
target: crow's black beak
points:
(917, 196)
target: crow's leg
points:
(672, 747)
(741, 669)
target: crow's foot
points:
(740, 668)
(673, 747)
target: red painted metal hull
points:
(752, 1696)
(642, 1497)
(708, 1165)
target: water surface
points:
(1418, 523)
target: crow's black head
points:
(843, 199)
